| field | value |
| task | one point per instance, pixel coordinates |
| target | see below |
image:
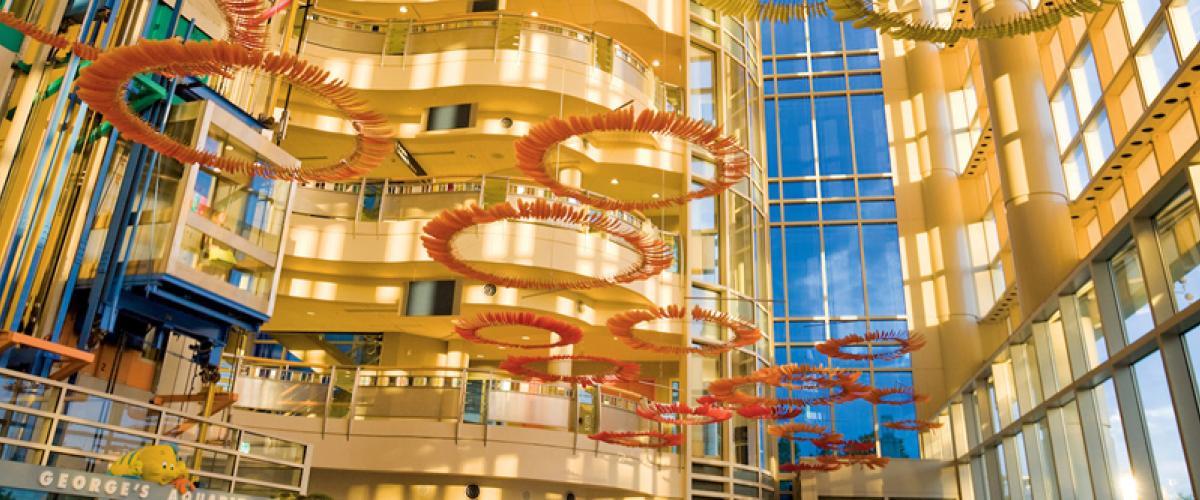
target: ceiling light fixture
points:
(655, 63)
(614, 181)
(533, 14)
(404, 9)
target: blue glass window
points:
(839, 329)
(780, 352)
(870, 134)
(829, 83)
(885, 285)
(1166, 447)
(789, 38)
(875, 187)
(776, 216)
(855, 420)
(834, 63)
(837, 188)
(894, 443)
(878, 210)
(800, 212)
(851, 363)
(806, 331)
(790, 66)
(818, 415)
(845, 265)
(804, 271)
(771, 126)
(768, 67)
(779, 328)
(805, 355)
(866, 61)
(794, 85)
(866, 82)
(777, 263)
(859, 38)
(839, 211)
(833, 134)
(826, 34)
(796, 137)
(799, 189)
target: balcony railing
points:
(340, 395)
(490, 31)
(372, 200)
(52, 423)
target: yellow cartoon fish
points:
(156, 463)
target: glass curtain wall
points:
(834, 242)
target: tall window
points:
(1178, 229)
(702, 71)
(1162, 431)
(1132, 299)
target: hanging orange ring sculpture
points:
(468, 329)
(835, 348)
(621, 326)
(732, 161)
(868, 461)
(809, 467)
(683, 414)
(878, 396)
(912, 425)
(246, 21)
(773, 412)
(623, 371)
(804, 432)
(726, 391)
(807, 377)
(102, 86)
(439, 232)
(84, 51)
(634, 439)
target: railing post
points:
(328, 399)
(575, 417)
(462, 403)
(351, 410)
(59, 410)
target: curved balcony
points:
(484, 49)
(467, 422)
(373, 229)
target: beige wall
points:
(344, 485)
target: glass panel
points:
(843, 258)
(1132, 299)
(1018, 443)
(1045, 453)
(1066, 118)
(1178, 230)
(870, 133)
(704, 239)
(1162, 430)
(1156, 61)
(1185, 17)
(885, 284)
(1086, 80)
(803, 254)
(701, 86)
(832, 115)
(796, 152)
(1090, 328)
(1116, 454)
(1192, 344)
(893, 443)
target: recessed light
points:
(310, 313)
(524, 337)
(502, 348)
(533, 14)
(229, 147)
(655, 196)
(403, 9)
(479, 355)
(655, 63)
(614, 181)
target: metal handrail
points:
(353, 407)
(44, 441)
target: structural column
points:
(1031, 178)
(957, 305)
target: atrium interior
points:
(599, 249)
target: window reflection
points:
(1156, 62)
(701, 84)
(1090, 328)
(1162, 431)
(1178, 229)
(1045, 453)
(842, 252)
(1132, 300)
(1116, 454)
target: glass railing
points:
(490, 31)
(372, 200)
(337, 394)
(47, 422)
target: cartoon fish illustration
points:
(155, 463)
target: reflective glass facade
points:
(834, 241)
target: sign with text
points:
(57, 480)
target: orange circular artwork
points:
(60, 42)
(681, 414)
(621, 325)
(639, 439)
(469, 329)
(623, 371)
(912, 425)
(656, 256)
(904, 344)
(894, 396)
(732, 161)
(102, 86)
